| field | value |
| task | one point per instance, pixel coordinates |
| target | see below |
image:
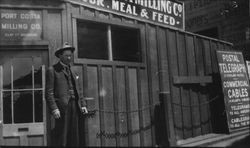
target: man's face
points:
(66, 57)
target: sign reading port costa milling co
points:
(164, 12)
(235, 84)
(20, 25)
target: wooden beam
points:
(192, 79)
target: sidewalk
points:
(241, 138)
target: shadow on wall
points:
(217, 107)
(161, 135)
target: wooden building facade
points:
(152, 84)
(223, 19)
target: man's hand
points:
(84, 110)
(56, 113)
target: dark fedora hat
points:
(66, 46)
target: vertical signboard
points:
(20, 25)
(248, 68)
(235, 84)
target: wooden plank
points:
(11, 141)
(214, 47)
(44, 111)
(64, 20)
(175, 91)
(89, 12)
(140, 87)
(36, 140)
(29, 128)
(103, 15)
(75, 9)
(164, 94)
(141, 132)
(207, 71)
(84, 84)
(110, 63)
(185, 98)
(121, 101)
(28, 6)
(23, 140)
(116, 20)
(208, 60)
(69, 10)
(81, 11)
(107, 93)
(192, 79)
(143, 41)
(133, 96)
(128, 107)
(162, 115)
(45, 24)
(101, 104)
(152, 68)
(193, 91)
(115, 104)
(1, 102)
(55, 35)
(146, 114)
(153, 55)
(93, 123)
(199, 53)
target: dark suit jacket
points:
(57, 89)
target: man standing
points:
(64, 99)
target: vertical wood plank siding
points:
(128, 107)
(93, 123)
(122, 104)
(175, 91)
(183, 71)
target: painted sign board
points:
(165, 12)
(235, 84)
(20, 25)
(248, 68)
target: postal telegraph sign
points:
(20, 25)
(235, 84)
(165, 12)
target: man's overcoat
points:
(57, 88)
(59, 97)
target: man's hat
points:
(65, 46)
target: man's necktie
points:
(70, 82)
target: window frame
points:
(12, 90)
(109, 24)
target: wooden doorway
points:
(22, 97)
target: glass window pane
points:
(5, 61)
(7, 75)
(92, 40)
(7, 117)
(38, 71)
(38, 106)
(22, 75)
(125, 44)
(23, 110)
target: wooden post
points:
(44, 107)
(164, 94)
(1, 102)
